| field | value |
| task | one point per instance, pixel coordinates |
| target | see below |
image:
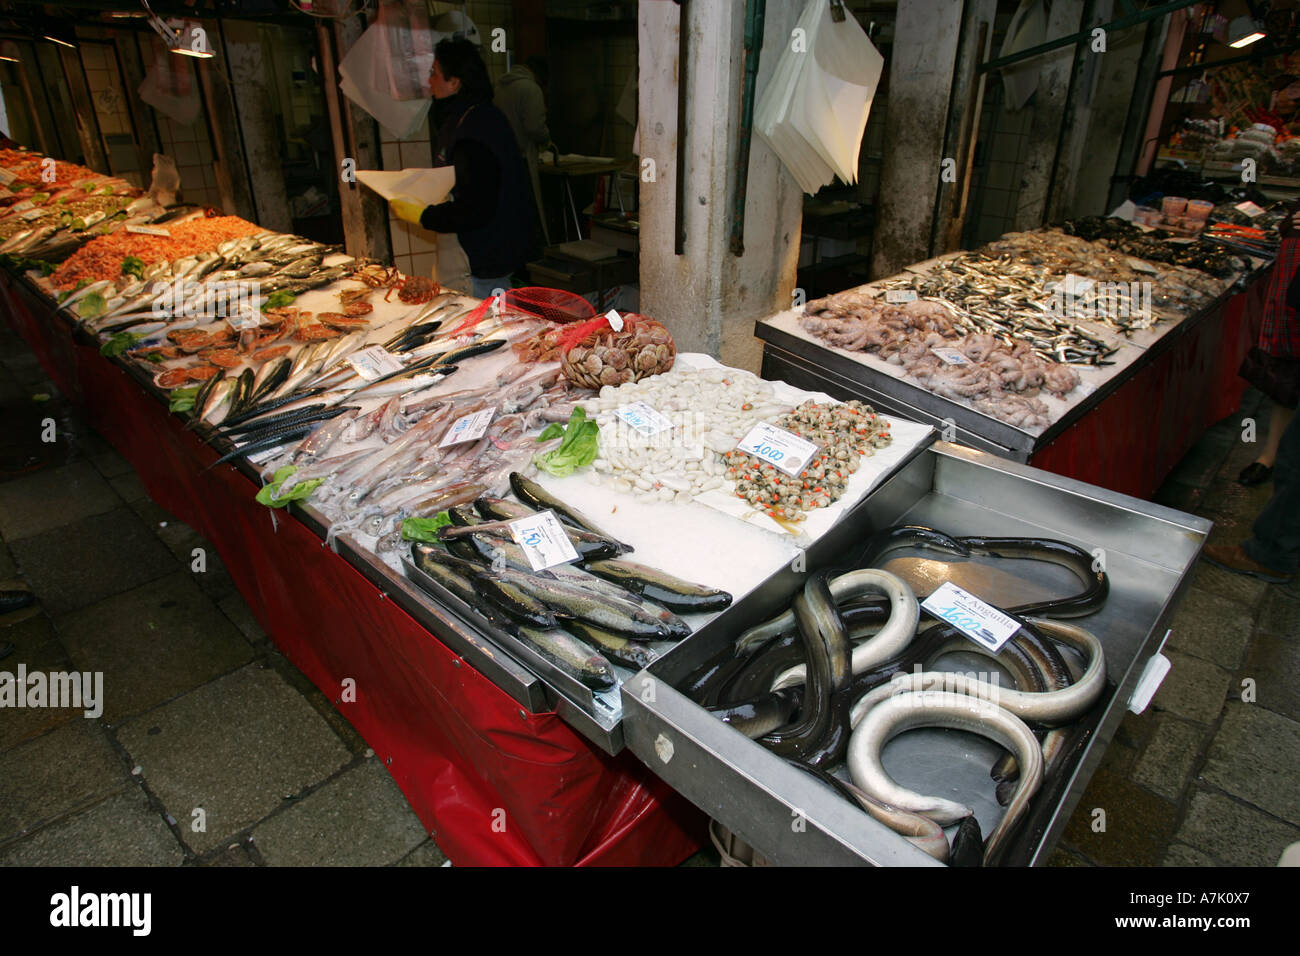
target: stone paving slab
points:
(237, 747)
(63, 770)
(1167, 763)
(1193, 688)
(357, 819)
(128, 487)
(1274, 665)
(1212, 628)
(152, 643)
(234, 855)
(1138, 824)
(86, 561)
(1254, 757)
(238, 612)
(111, 465)
(53, 497)
(1202, 462)
(1180, 854)
(121, 831)
(1233, 833)
(1280, 614)
(426, 854)
(1241, 588)
(36, 646)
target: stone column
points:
(708, 298)
(921, 67)
(243, 50)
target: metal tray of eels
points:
(791, 816)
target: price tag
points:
(22, 206)
(93, 218)
(7, 176)
(241, 321)
(543, 539)
(258, 457)
(150, 231)
(982, 623)
(895, 296)
(374, 362)
(951, 356)
(778, 447)
(615, 320)
(31, 214)
(643, 418)
(1249, 208)
(468, 428)
(1139, 266)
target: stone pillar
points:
(221, 116)
(243, 51)
(708, 298)
(1048, 106)
(921, 66)
(355, 136)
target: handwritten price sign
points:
(543, 539)
(644, 419)
(778, 447)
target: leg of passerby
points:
(1261, 469)
(1272, 553)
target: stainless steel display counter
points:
(1148, 552)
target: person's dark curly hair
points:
(459, 59)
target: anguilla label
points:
(982, 623)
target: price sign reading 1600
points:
(959, 618)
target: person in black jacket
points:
(490, 208)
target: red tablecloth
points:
(491, 782)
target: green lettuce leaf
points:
(425, 529)
(269, 494)
(118, 343)
(133, 266)
(182, 399)
(578, 448)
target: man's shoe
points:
(1233, 558)
(1254, 474)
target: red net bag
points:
(536, 302)
(593, 354)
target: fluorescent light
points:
(1243, 31)
(10, 59)
(70, 46)
(186, 51)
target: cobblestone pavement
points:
(213, 750)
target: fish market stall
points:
(511, 540)
(1048, 348)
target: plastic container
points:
(1199, 209)
(1146, 215)
(1173, 206)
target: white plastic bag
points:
(1028, 28)
(403, 50)
(814, 109)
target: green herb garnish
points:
(182, 399)
(133, 266)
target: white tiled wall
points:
(415, 250)
(112, 110)
(1004, 139)
(189, 146)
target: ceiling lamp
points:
(1243, 31)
